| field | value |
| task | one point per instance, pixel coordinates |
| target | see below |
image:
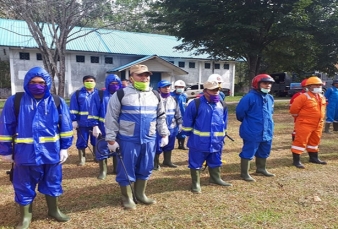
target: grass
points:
(285, 201)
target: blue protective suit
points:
(331, 96)
(255, 111)
(42, 131)
(133, 123)
(79, 108)
(206, 130)
(181, 99)
(174, 119)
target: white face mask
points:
(317, 90)
(266, 91)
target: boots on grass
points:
(296, 161)
(157, 162)
(82, 157)
(53, 209)
(261, 167)
(215, 177)
(335, 126)
(181, 143)
(167, 160)
(127, 198)
(114, 158)
(140, 189)
(25, 216)
(245, 167)
(103, 169)
(195, 178)
(314, 158)
(327, 128)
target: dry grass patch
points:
(288, 200)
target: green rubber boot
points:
(261, 167)
(54, 211)
(103, 169)
(114, 164)
(82, 157)
(127, 198)
(25, 216)
(245, 167)
(157, 162)
(327, 128)
(215, 177)
(195, 178)
(167, 160)
(140, 189)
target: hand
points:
(75, 124)
(96, 131)
(113, 147)
(63, 155)
(164, 141)
(179, 128)
(7, 158)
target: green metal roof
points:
(15, 33)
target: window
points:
(207, 65)
(108, 60)
(24, 55)
(80, 59)
(191, 64)
(171, 61)
(181, 64)
(38, 56)
(94, 59)
(217, 66)
(226, 66)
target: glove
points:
(164, 141)
(179, 128)
(63, 155)
(75, 124)
(96, 131)
(7, 158)
(113, 147)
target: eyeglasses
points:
(37, 82)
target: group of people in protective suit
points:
(139, 124)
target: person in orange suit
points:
(309, 110)
(304, 89)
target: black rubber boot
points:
(327, 128)
(167, 160)
(195, 178)
(179, 143)
(261, 167)
(314, 158)
(127, 198)
(114, 158)
(215, 177)
(25, 216)
(335, 126)
(296, 161)
(53, 209)
(140, 189)
(157, 162)
(103, 169)
(183, 143)
(245, 167)
(82, 157)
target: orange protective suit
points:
(309, 108)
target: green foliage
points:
(5, 77)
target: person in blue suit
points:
(331, 95)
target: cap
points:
(210, 85)
(139, 68)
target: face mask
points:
(113, 87)
(89, 85)
(142, 86)
(266, 91)
(165, 95)
(317, 90)
(306, 89)
(179, 90)
(36, 89)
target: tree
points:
(52, 23)
(237, 29)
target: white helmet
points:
(215, 77)
(179, 83)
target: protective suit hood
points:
(38, 72)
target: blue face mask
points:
(180, 90)
(266, 91)
(36, 89)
